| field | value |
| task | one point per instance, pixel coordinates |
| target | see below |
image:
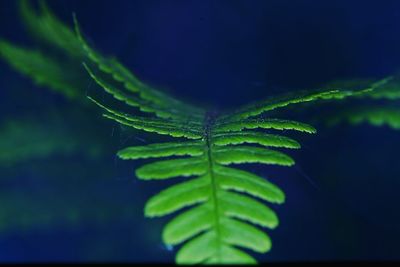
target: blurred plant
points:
(380, 107)
(56, 65)
(24, 139)
(58, 152)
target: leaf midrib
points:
(209, 122)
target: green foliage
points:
(52, 164)
(45, 70)
(57, 64)
(223, 206)
(58, 151)
(374, 115)
(385, 109)
(38, 144)
(46, 27)
(388, 91)
(63, 197)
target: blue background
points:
(343, 193)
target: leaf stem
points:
(209, 122)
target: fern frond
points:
(389, 91)
(388, 88)
(377, 107)
(215, 211)
(220, 200)
(189, 129)
(224, 206)
(57, 63)
(299, 97)
(387, 113)
(132, 84)
(111, 87)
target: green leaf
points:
(246, 154)
(178, 196)
(243, 181)
(156, 126)
(188, 224)
(275, 124)
(172, 168)
(230, 255)
(237, 233)
(236, 138)
(190, 148)
(245, 208)
(197, 250)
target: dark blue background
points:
(228, 53)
